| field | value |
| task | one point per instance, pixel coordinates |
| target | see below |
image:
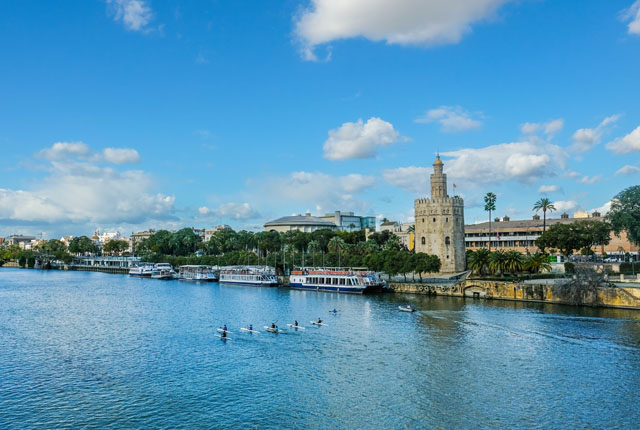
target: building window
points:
(447, 241)
(422, 219)
(446, 220)
(424, 241)
(434, 220)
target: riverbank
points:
(542, 291)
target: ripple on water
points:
(93, 350)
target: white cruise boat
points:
(163, 271)
(335, 279)
(259, 276)
(142, 270)
(197, 273)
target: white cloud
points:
(134, 14)
(586, 138)
(544, 189)
(121, 155)
(566, 205)
(626, 144)
(238, 211)
(308, 189)
(573, 175)
(78, 151)
(549, 128)
(359, 140)
(412, 178)
(451, 118)
(81, 192)
(604, 209)
(590, 180)
(524, 162)
(628, 170)
(64, 150)
(633, 16)
(403, 22)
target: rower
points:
(251, 327)
(334, 311)
(273, 325)
(224, 328)
(224, 334)
(319, 320)
(295, 324)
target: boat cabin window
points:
(335, 281)
(342, 281)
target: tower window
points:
(422, 219)
(446, 220)
(424, 241)
(447, 241)
(434, 220)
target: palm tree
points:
(545, 205)
(336, 244)
(514, 262)
(314, 245)
(479, 260)
(537, 263)
(490, 205)
(497, 262)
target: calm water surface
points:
(94, 350)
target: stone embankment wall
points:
(618, 297)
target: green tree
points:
(514, 262)
(478, 261)
(537, 263)
(577, 235)
(336, 244)
(544, 204)
(625, 213)
(184, 242)
(115, 246)
(82, 245)
(498, 262)
(489, 206)
(314, 246)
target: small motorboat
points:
(407, 308)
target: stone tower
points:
(440, 223)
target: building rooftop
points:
(525, 223)
(300, 220)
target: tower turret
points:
(438, 180)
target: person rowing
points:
(295, 324)
(224, 328)
(223, 335)
(334, 311)
(319, 321)
(274, 326)
(250, 327)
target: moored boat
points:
(258, 276)
(198, 273)
(163, 271)
(142, 270)
(337, 280)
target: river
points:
(93, 350)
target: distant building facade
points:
(347, 221)
(305, 223)
(209, 232)
(24, 242)
(521, 235)
(439, 223)
(405, 232)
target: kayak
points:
(223, 330)
(223, 337)
(296, 326)
(316, 323)
(250, 331)
(406, 309)
(273, 330)
(332, 312)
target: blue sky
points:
(131, 114)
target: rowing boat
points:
(296, 326)
(223, 337)
(317, 323)
(221, 330)
(273, 330)
(406, 308)
(250, 331)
